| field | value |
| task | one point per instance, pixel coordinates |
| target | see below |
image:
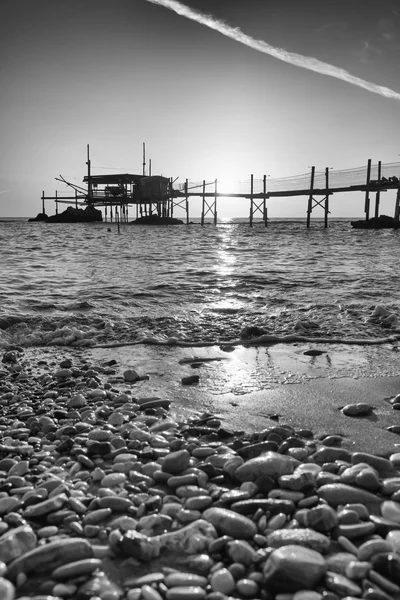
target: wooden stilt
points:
(56, 203)
(265, 213)
(43, 202)
(310, 198)
(76, 199)
(203, 202)
(187, 201)
(215, 202)
(326, 206)
(367, 201)
(378, 193)
(251, 199)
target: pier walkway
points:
(157, 195)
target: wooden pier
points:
(156, 195)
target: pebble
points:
(293, 568)
(232, 515)
(231, 523)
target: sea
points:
(90, 284)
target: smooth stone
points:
(176, 462)
(185, 593)
(307, 538)
(329, 454)
(271, 464)
(293, 568)
(339, 561)
(357, 569)
(390, 485)
(356, 530)
(322, 518)
(341, 585)
(387, 564)
(185, 579)
(240, 551)
(222, 581)
(367, 550)
(382, 465)
(230, 523)
(149, 593)
(198, 502)
(77, 568)
(50, 556)
(16, 542)
(360, 409)
(113, 479)
(44, 508)
(339, 493)
(115, 503)
(307, 595)
(7, 590)
(247, 588)
(393, 538)
(391, 510)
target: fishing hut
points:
(116, 192)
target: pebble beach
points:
(109, 494)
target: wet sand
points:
(245, 387)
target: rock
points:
(292, 568)
(340, 493)
(391, 510)
(176, 462)
(271, 464)
(190, 380)
(185, 592)
(222, 581)
(240, 551)
(307, 538)
(46, 558)
(360, 409)
(191, 539)
(382, 465)
(341, 585)
(131, 376)
(77, 569)
(185, 579)
(7, 590)
(47, 506)
(322, 518)
(16, 542)
(230, 523)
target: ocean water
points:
(81, 284)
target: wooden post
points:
(310, 198)
(76, 198)
(326, 207)
(215, 202)
(203, 203)
(378, 193)
(43, 202)
(89, 196)
(111, 213)
(251, 199)
(144, 159)
(105, 213)
(397, 205)
(56, 203)
(366, 205)
(265, 214)
(149, 167)
(187, 201)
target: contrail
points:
(305, 62)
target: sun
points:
(227, 185)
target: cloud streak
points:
(304, 62)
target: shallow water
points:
(192, 282)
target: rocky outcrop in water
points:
(72, 215)
(156, 220)
(381, 222)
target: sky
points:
(224, 89)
